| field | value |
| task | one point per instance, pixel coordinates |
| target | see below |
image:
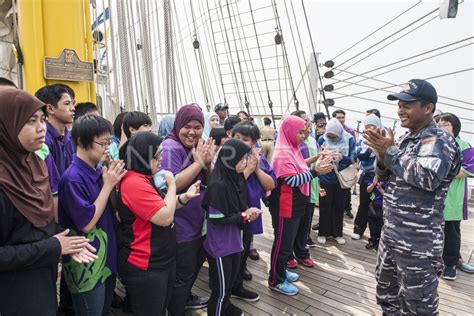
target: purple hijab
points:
(185, 114)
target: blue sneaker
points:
(449, 273)
(285, 288)
(466, 267)
(291, 276)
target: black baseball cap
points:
(416, 90)
(221, 107)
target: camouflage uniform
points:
(418, 171)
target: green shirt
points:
(454, 203)
(313, 150)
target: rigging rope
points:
(246, 102)
(296, 51)
(316, 60)
(147, 62)
(304, 58)
(215, 48)
(411, 57)
(270, 103)
(395, 85)
(285, 54)
(369, 35)
(253, 71)
(209, 52)
(230, 53)
(391, 35)
(199, 61)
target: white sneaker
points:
(340, 240)
(321, 240)
(355, 236)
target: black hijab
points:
(139, 150)
(226, 190)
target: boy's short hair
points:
(298, 113)
(118, 124)
(51, 94)
(87, 127)
(230, 122)
(83, 108)
(335, 113)
(267, 121)
(247, 129)
(134, 119)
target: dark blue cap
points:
(416, 90)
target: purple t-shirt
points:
(377, 197)
(60, 147)
(254, 195)
(79, 187)
(52, 173)
(189, 219)
(304, 150)
(222, 240)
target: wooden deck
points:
(342, 283)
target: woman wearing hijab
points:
(29, 250)
(189, 159)
(288, 200)
(211, 120)
(331, 206)
(166, 125)
(147, 247)
(225, 202)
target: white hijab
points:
(334, 127)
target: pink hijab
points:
(287, 158)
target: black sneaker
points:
(246, 274)
(233, 310)
(246, 295)
(349, 214)
(315, 227)
(196, 302)
(371, 245)
(449, 273)
(310, 243)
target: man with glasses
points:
(319, 120)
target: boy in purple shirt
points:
(226, 205)
(85, 209)
(60, 109)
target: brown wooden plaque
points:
(68, 67)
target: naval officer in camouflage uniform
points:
(418, 169)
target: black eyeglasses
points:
(104, 144)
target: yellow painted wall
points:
(46, 27)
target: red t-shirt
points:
(143, 244)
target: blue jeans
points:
(90, 303)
